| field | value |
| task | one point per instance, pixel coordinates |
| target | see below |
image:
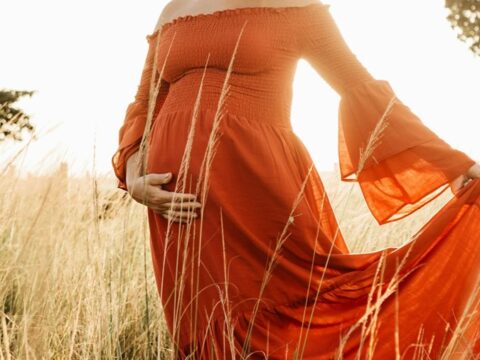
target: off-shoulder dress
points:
(264, 270)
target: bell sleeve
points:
(132, 130)
(399, 163)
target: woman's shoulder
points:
(176, 8)
(168, 11)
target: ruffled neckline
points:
(232, 11)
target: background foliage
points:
(13, 121)
(464, 16)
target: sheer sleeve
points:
(131, 132)
(399, 163)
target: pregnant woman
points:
(247, 253)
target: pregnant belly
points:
(254, 171)
(241, 152)
(170, 149)
(254, 175)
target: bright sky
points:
(85, 57)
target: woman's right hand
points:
(147, 190)
(472, 173)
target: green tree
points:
(464, 17)
(13, 121)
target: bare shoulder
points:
(308, 2)
(289, 3)
(168, 10)
(175, 8)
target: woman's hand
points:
(472, 173)
(147, 190)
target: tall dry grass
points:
(76, 279)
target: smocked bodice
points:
(261, 44)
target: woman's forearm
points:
(132, 168)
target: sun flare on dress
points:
(264, 271)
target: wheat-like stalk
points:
(73, 263)
(375, 137)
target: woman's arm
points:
(127, 162)
(133, 169)
(399, 162)
(133, 128)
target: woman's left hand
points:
(472, 173)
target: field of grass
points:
(76, 277)
(76, 280)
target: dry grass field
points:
(76, 277)
(76, 280)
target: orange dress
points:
(264, 269)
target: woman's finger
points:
(169, 218)
(186, 206)
(161, 203)
(174, 213)
(474, 171)
(183, 215)
(169, 196)
(458, 183)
